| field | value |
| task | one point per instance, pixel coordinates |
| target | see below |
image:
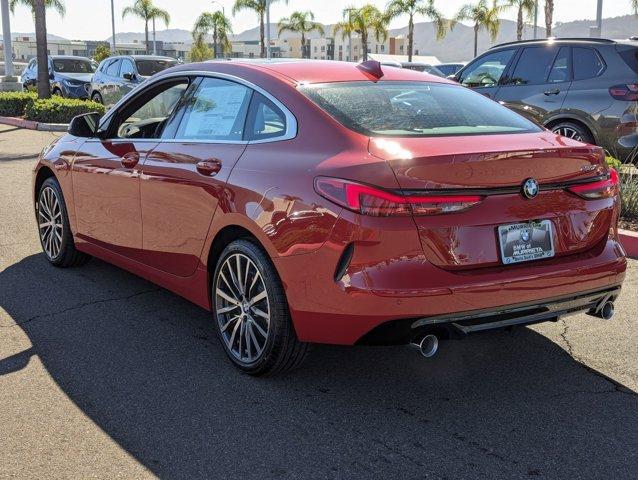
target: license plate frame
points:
(526, 241)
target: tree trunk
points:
(146, 36)
(476, 30)
(262, 35)
(303, 45)
(39, 12)
(519, 24)
(410, 37)
(154, 39)
(215, 40)
(549, 17)
(364, 46)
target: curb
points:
(31, 125)
(629, 241)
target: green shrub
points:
(629, 196)
(60, 110)
(613, 162)
(14, 104)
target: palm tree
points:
(426, 8)
(57, 5)
(525, 8)
(145, 10)
(482, 16)
(361, 21)
(259, 7)
(634, 6)
(549, 17)
(301, 22)
(38, 9)
(220, 26)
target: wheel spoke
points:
(254, 339)
(229, 299)
(260, 296)
(230, 308)
(249, 347)
(227, 324)
(259, 329)
(239, 275)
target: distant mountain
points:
(456, 46)
(50, 37)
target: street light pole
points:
(599, 18)
(535, 19)
(6, 38)
(113, 46)
(268, 52)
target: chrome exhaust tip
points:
(605, 310)
(426, 345)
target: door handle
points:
(130, 159)
(555, 91)
(209, 167)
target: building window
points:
(315, 48)
(323, 48)
(383, 48)
(341, 48)
(61, 52)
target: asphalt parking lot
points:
(104, 375)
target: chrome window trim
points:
(291, 120)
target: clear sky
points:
(90, 19)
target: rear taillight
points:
(625, 92)
(377, 202)
(596, 190)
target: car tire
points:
(255, 307)
(96, 97)
(54, 230)
(574, 131)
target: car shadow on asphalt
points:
(146, 367)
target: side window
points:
(533, 66)
(586, 63)
(487, 71)
(127, 67)
(114, 68)
(560, 69)
(265, 119)
(146, 116)
(215, 111)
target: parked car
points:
(310, 201)
(584, 89)
(448, 69)
(419, 67)
(116, 76)
(70, 76)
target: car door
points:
(106, 171)
(128, 77)
(486, 72)
(29, 78)
(539, 82)
(184, 178)
(111, 84)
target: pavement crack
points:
(80, 306)
(616, 386)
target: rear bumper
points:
(464, 323)
(345, 311)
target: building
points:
(322, 48)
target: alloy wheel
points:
(50, 222)
(569, 132)
(242, 307)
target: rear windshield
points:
(69, 65)
(414, 109)
(148, 68)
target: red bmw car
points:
(326, 202)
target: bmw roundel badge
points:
(530, 188)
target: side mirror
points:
(129, 76)
(453, 77)
(85, 125)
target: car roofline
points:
(541, 41)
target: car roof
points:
(317, 71)
(564, 40)
(150, 57)
(68, 57)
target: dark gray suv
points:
(585, 89)
(117, 76)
